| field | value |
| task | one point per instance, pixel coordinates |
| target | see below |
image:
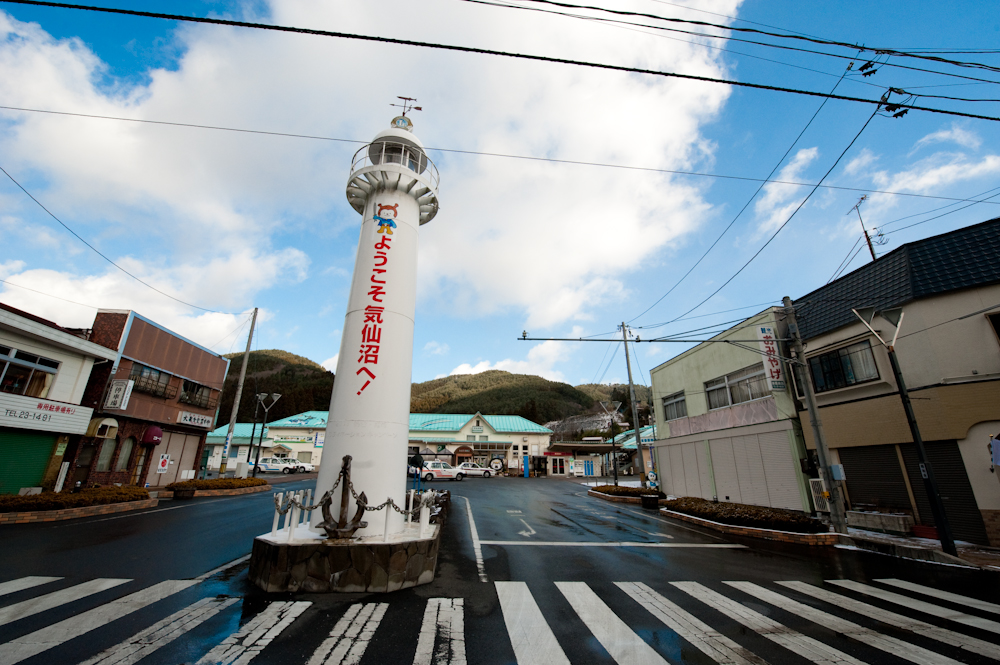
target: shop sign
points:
(477, 430)
(40, 414)
(551, 454)
(118, 395)
(164, 463)
(194, 419)
(318, 439)
(441, 448)
(772, 362)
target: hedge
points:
(626, 491)
(740, 514)
(217, 484)
(10, 503)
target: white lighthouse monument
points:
(394, 186)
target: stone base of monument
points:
(312, 564)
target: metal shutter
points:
(750, 466)
(782, 485)
(956, 491)
(874, 478)
(727, 480)
(23, 458)
(677, 485)
(692, 474)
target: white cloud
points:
(779, 200)
(865, 158)
(331, 363)
(436, 349)
(11, 267)
(955, 134)
(540, 361)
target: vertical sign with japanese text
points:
(772, 359)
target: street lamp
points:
(895, 317)
(260, 442)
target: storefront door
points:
(140, 461)
(558, 466)
(83, 462)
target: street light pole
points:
(260, 401)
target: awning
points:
(280, 446)
(152, 436)
(103, 428)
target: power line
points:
(701, 316)
(790, 217)
(745, 205)
(732, 18)
(98, 252)
(49, 295)
(910, 226)
(846, 260)
(882, 226)
(482, 51)
(609, 362)
(570, 162)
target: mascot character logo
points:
(386, 225)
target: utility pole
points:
(837, 516)
(236, 399)
(635, 409)
(611, 425)
(857, 209)
(895, 316)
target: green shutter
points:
(23, 458)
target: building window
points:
(152, 381)
(124, 454)
(747, 384)
(196, 394)
(484, 438)
(844, 367)
(23, 373)
(674, 406)
(104, 457)
(470, 437)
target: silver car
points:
(473, 469)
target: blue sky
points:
(229, 221)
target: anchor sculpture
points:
(342, 528)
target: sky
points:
(218, 222)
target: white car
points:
(473, 469)
(438, 470)
(304, 467)
(282, 464)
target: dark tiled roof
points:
(960, 259)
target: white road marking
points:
(476, 543)
(943, 595)
(914, 604)
(872, 638)
(803, 645)
(23, 583)
(225, 566)
(530, 635)
(528, 530)
(960, 640)
(444, 619)
(504, 543)
(672, 525)
(709, 641)
(615, 636)
(51, 636)
(243, 646)
(350, 636)
(52, 600)
(163, 632)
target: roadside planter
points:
(181, 494)
(888, 522)
(651, 501)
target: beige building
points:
(727, 425)
(457, 438)
(948, 287)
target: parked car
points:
(305, 467)
(438, 470)
(282, 464)
(473, 469)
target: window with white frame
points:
(470, 437)
(674, 406)
(23, 373)
(844, 367)
(744, 385)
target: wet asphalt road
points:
(182, 540)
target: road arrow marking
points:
(529, 532)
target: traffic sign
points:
(164, 463)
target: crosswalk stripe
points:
(615, 636)
(444, 619)
(350, 635)
(23, 583)
(529, 633)
(943, 595)
(913, 603)
(161, 633)
(51, 636)
(52, 600)
(872, 638)
(243, 646)
(803, 645)
(981, 647)
(709, 641)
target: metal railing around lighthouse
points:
(391, 152)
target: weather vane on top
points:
(407, 105)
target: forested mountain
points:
(303, 385)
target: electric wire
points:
(49, 295)
(612, 359)
(601, 364)
(847, 258)
(552, 160)
(701, 316)
(482, 51)
(843, 269)
(734, 18)
(881, 227)
(745, 206)
(790, 217)
(98, 252)
(910, 226)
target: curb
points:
(34, 516)
(168, 494)
(618, 499)
(813, 539)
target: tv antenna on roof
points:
(407, 105)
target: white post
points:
(277, 515)
(62, 476)
(293, 522)
(306, 513)
(385, 534)
(409, 508)
(425, 512)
